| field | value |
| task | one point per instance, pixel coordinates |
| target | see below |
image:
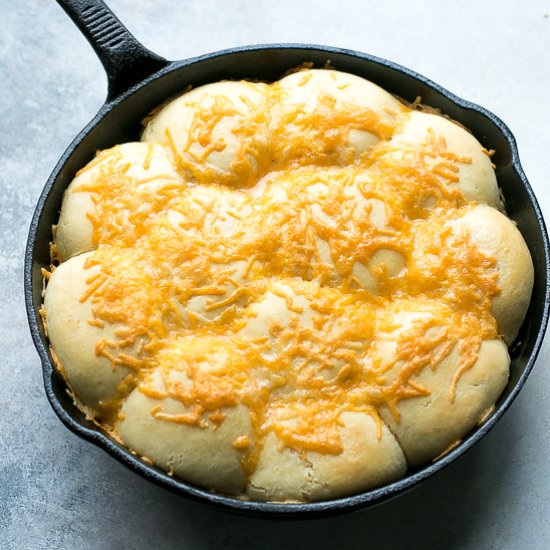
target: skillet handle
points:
(125, 60)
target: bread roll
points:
(483, 257)
(449, 152)
(161, 421)
(367, 460)
(327, 117)
(96, 380)
(111, 196)
(217, 133)
(498, 237)
(448, 403)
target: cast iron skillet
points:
(139, 81)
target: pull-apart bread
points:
(290, 291)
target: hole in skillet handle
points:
(125, 60)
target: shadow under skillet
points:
(450, 510)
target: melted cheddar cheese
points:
(271, 273)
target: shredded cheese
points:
(305, 210)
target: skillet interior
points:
(119, 121)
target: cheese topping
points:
(304, 226)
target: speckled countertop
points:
(58, 492)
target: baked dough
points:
(217, 133)
(94, 378)
(444, 409)
(199, 449)
(114, 187)
(288, 292)
(448, 152)
(498, 237)
(324, 117)
(368, 461)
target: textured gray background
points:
(59, 492)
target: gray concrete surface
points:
(59, 492)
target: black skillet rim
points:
(235, 505)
